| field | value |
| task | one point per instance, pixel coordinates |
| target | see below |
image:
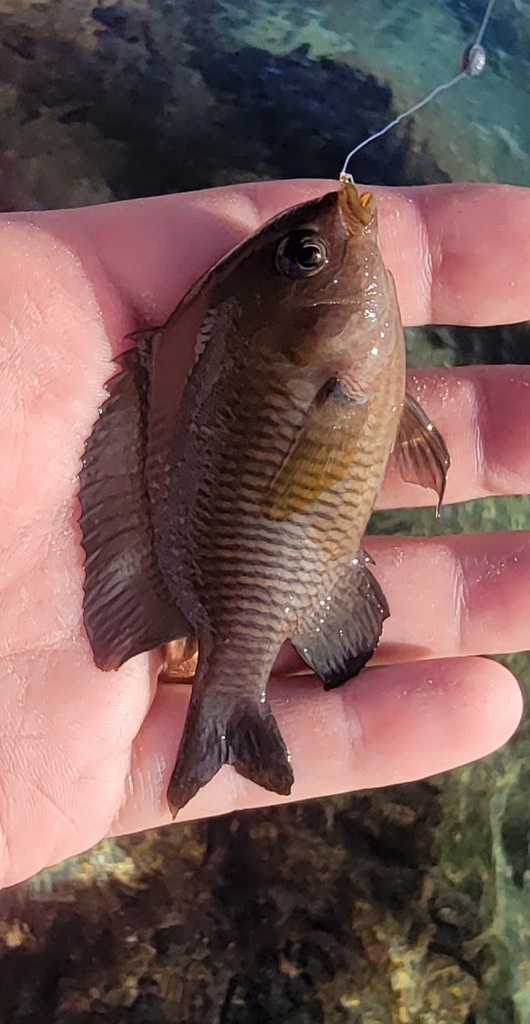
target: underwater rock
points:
(315, 912)
(132, 100)
(293, 115)
(408, 905)
(130, 118)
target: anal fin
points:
(341, 635)
(127, 608)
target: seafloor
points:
(410, 905)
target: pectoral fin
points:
(420, 450)
(322, 451)
(127, 608)
(341, 635)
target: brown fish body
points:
(256, 479)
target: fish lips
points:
(357, 210)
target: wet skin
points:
(233, 510)
(85, 753)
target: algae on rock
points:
(408, 905)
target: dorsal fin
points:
(127, 607)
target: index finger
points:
(460, 253)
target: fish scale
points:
(249, 483)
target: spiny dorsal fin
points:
(127, 608)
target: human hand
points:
(84, 754)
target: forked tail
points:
(228, 729)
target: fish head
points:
(310, 284)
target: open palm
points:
(83, 753)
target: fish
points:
(223, 509)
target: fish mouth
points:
(355, 209)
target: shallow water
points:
(409, 905)
(480, 130)
(114, 100)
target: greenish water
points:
(478, 131)
(422, 893)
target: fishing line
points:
(486, 18)
(472, 63)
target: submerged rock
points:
(135, 100)
(407, 905)
(293, 115)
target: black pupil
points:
(309, 255)
(301, 253)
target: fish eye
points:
(303, 253)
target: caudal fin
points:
(233, 731)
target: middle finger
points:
(453, 596)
